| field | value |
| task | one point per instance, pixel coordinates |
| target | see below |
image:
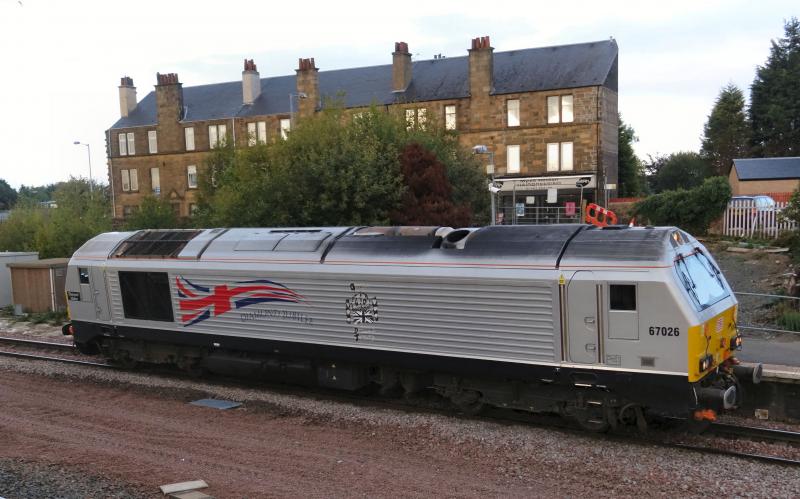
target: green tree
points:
(726, 134)
(153, 213)
(80, 213)
(775, 97)
(630, 173)
(681, 170)
(333, 169)
(692, 210)
(36, 194)
(8, 196)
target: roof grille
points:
(155, 243)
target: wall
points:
(753, 187)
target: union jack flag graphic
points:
(198, 303)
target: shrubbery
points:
(692, 210)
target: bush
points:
(692, 210)
(790, 320)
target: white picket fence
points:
(743, 219)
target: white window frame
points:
(285, 127)
(553, 149)
(560, 156)
(557, 106)
(251, 134)
(152, 141)
(422, 117)
(411, 118)
(131, 144)
(123, 144)
(512, 159)
(262, 132)
(134, 176)
(450, 118)
(512, 112)
(126, 180)
(155, 181)
(217, 134)
(188, 137)
(191, 176)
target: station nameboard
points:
(544, 183)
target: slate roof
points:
(767, 168)
(527, 70)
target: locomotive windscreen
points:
(155, 243)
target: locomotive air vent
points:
(155, 243)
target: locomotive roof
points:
(548, 246)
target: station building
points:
(546, 116)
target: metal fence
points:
(761, 312)
(743, 218)
(533, 215)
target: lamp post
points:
(482, 149)
(299, 95)
(89, 153)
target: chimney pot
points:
(127, 96)
(251, 82)
(401, 67)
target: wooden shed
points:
(38, 286)
(7, 257)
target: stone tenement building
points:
(547, 116)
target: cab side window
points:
(83, 275)
(622, 296)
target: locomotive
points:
(603, 325)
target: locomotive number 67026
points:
(664, 331)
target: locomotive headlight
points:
(705, 363)
(736, 342)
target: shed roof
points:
(767, 168)
(40, 264)
(527, 70)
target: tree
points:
(153, 213)
(427, 199)
(681, 170)
(36, 194)
(775, 97)
(726, 134)
(8, 196)
(692, 210)
(333, 169)
(630, 172)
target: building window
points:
(128, 210)
(560, 109)
(217, 135)
(192, 209)
(155, 181)
(251, 134)
(286, 127)
(559, 156)
(131, 144)
(262, 132)
(123, 145)
(450, 117)
(512, 159)
(188, 134)
(191, 176)
(416, 118)
(256, 133)
(130, 180)
(513, 112)
(152, 141)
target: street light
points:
(300, 95)
(89, 152)
(493, 190)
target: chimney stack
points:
(401, 67)
(308, 86)
(127, 96)
(169, 112)
(481, 67)
(251, 82)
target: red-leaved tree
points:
(428, 196)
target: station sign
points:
(511, 184)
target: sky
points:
(62, 60)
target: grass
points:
(52, 318)
(790, 320)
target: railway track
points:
(45, 345)
(499, 415)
